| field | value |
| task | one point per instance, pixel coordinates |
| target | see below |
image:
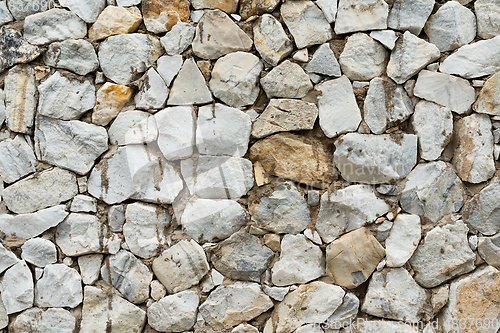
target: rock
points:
(276, 293)
(53, 25)
(127, 3)
(162, 15)
(289, 156)
(90, 265)
(5, 15)
(45, 189)
(133, 127)
(116, 218)
(348, 209)
(309, 303)
(287, 80)
(15, 49)
(130, 276)
(324, 62)
(178, 39)
(218, 177)
(75, 55)
(362, 58)
(181, 266)
(20, 101)
(410, 15)
(387, 189)
(144, 229)
(105, 311)
(153, 92)
(168, 67)
(489, 250)
(387, 38)
(432, 190)
(83, 203)
(488, 19)
(480, 212)
(329, 9)
(66, 99)
(210, 220)
(360, 15)
(300, 262)
(30, 225)
(386, 104)
(176, 132)
(189, 86)
(2, 107)
(403, 240)
(235, 79)
(433, 125)
(306, 22)
(16, 159)
(393, 294)
(352, 258)
(39, 252)
(36, 320)
(345, 313)
(374, 326)
(74, 145)
(86, 10)
(270, 39)
(114, 21)
(488, 100)
(7, 259)
(60, 286)
(174, 313)
(452, 26)
(244, 298)
(110, 99)
(250, 8)
(82, 234)
(228, 6)
(245, 328)
(124, 56)
(23, 8)
(375, 159)
(210, 43)
(158, 291)
(16, 287)
(409, 56)
(473, 157)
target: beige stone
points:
(228, 6)
(110, 100)
(161, 15)
(114, 21)
(488, 100)
(256, 7)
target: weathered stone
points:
(289, 156)
(162, 15)
(174, 313)
(15, 49)
(324, 62)
(52, 26)
(178, 39)
(287, 80)
(488, 100)
(110, 100)
(189, 86)
(352, 258)
(5, 15)
(488, 18)
(36, 320)
(250, 8)
(86, 10)
(153, 92)
(181, 266)
(410, 15)
(270, 40)
(133, 127)
(16, 159)
(20, 101)
(90, 267)
(329, 8)
(360, 15)
(114, 21)
(348, 209)
(16, 287)
(403, 240)
(345, 313)
(481, 211)
(489, 250)
(83, 203)
(176, 133)
(168, 67)
(7, 259)
(39, 252)
(75, 55)
(387, 38)
(60, 286)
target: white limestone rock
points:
(387, 38)
(168, 67)
(16, 159)
(158, 291)
(116, 218)
(337, 108)
(87, 10)
(178, 39)
(287, 80)
(83, 203)
(60, 286)
(360, 15)
(20, 101)
(176, 131)
(73, 144)
(7, 259)
(270, 40)
(75, 55)
(5, 15)
(153, 92)
(64, 98)
(410, 15)
(189, 86)
(39, 252)
(348, 209)
(90, 267)
(235, 79)
(488, 101)
(433, 124)
(16, 288)
(324, 62)
(174, 313)
(481, 211)
(133, 127)
(488, 18)
(403, 240)
(276, 293)
(452, 26)
(329, 8)
(36, 320)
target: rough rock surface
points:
(324, 62)
(17, 159)
(178, 39)
(189, 86)
(36, 320)
(15, 49)
(270, 40)
(40, 252)
(153, 92)
(133, 127)
(174, 313)
(360, 15)
(287, 80)
(480, 212)
(488, 99)
(488, 19)
(76, 55)
(176, 132)
(403, 239)
(410, 15)
(115, 20)
(160, 16)
(17, 288)
(60, 286)
(20, 101)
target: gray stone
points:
(158, 291)
(360, 15)
(178, 39)
(324, 62)
(14, 49)
(16, 159)
(133, 127)
(60, 286)
(329, 8)
(481, 211)
(7, 259)
(387, 189)
(168, 67)
(410, 15)
(90, 267)
(36, 320)
(153, 92)
(84, 204)
(488, 100)
(20, 9)
(174, 313)
(17, 289)
(488, 249)
(39, 252)
(345, 313)
(116, 218)
(189, 86)
(387, 38)
(176, 131)
(87, 10)
(488, 18)
(403, 240)
(20, 101)
(287, 80)
(270, 40)
(5, 15)
(75, 55)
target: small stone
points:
(162, 15)
(60, 286)
(386, 189)
(176, 132)
(75, 55)
(52, 26)
(287, 80)
(5, 15)
(36, 320)
(110, 100)
(306, 22)
(276, 293)
(14, 49)
(301, 55)
(178, 39)
(360, 15)
(473, 242)
(87, 11)
(313, 198)
(16, 287)
(353, 257)
(116, 218)
(245, 328)
(324, 62)
(478, 83)
(348, 209)
(387, 38)
(228, 6)
(158, 291)
(217, 35)
(168, 67)
(273, 242)
(480, 212)
(114, 21)
(403, 240)
(488, 18)
(83, 203)
(409, 56)
(488, 100)
(90, 267)
(39, 252)
(133, 127)
(181, 266)
(7, 259)
(174, 313)
(20, 101)
(410, 15)
(189, 86)
(249, 8)
(270, 40)
(16, 159)
(153, 92)
(489, 250)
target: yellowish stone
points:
(162, 15)
(114, 21)
(111, 98)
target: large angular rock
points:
(16, 159)
(386, 104)
(133, 127)
(122, 57)
(162, 15)
(244, 298)
(488, 100)
(338, 111)
(82, 234)
(306, 22)
(36, 320)
(324, 62)
(488, 18)
(73, 145)
(217, 35)
(45, 189)
(473, 157)
(86, 10)
(115, 20)
(60, 286)
(300, 261)
(52, 26)
(352, 258)
(375, 159)
(409, 56)
(410, 15)
(144, 229)
(250, 8)
(189, 86)
(270, 40)
(174, 313)
(20, 101)
(110, 99)
(403, 239)
(481, 211)
(181, 266)
(360, 15)
(363, 58)
(75, 55)
(212, 220)
(15, 49)
(287, 80)
(178, 39)
(39, 252)
(153, 92)
(176, 132)
(16, 287)
(348, 209)
(7, 258)
(289, 156)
